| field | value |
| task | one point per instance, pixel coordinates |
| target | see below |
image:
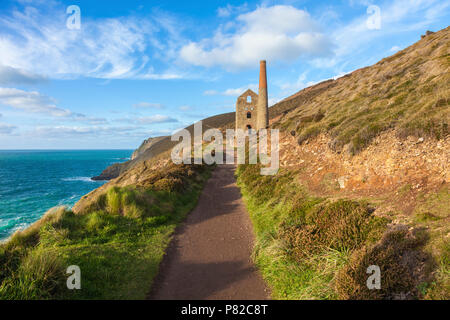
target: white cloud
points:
(9, 75)
(211, 92)
(224, 11)
(35, 41)
(156, 76)
(300, 83)
(6, 128)
(396, 17)
(395, 49)
(185, 108)
(92, 120)
(233, 92)
(95, 131)
(148, 105)
(277, 33)
(229, 9)
(35, 102)
(32, 102)
(158, 118)
(272, 101)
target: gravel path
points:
(209, 256)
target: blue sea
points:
(31, 182)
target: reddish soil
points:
(209, 256)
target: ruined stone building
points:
(252, 110)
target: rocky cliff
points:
(154, 147)
(146, 144)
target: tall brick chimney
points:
(262, 119)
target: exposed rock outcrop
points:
(147, 144)
(113, 171)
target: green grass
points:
(439, 288)
(118, 243)
(432, 213)
(302, 241)
(316, 248)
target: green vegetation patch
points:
(432, 213)
(341, 225)
(402, 262)
(118, 242)
(315, 248)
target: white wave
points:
(85, 179)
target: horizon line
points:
(112, 149)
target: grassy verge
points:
(118, 241)
(316, 248)
(432, 214)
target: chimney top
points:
(262, 74)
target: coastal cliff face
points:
(149, 149)
(153, 148)
(146, 144)
(114, 170)
(109, 173)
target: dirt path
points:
(209, 257)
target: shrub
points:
(169, 184)
(113, 200)
(422, 125)
(49, 235)
(95, 221)
(341, 225)
(308, 133)
(363, 138)
(39, 276)
(401, 262)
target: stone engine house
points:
(246, 110)
(252, 109)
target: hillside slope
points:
(363, 180)
(408, 92)
(146, 144)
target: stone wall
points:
(246, 110)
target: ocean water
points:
(31, 182)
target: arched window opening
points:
(249, 99)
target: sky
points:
(117, 72)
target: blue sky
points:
(137, 69)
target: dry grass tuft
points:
(342, 225)
(404, 267)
